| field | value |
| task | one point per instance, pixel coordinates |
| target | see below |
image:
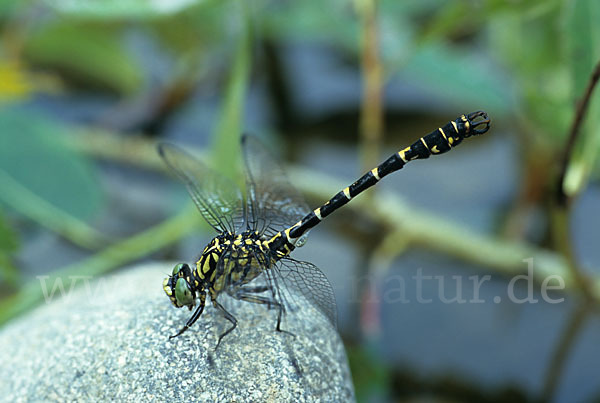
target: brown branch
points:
(563, 349)
(581, 109)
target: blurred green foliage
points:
(370, 376)
(527, 61)
(82, 51)
(33, 151)
(532, 58)
(112, 9)
(8, 246)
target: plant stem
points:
(561, 238)
(581, 109)
(30, 205)
(229, 126)
(135, 247)
(560, 219)
(563, 348)
(371, 114)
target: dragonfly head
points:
(177, 287)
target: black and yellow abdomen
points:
(257, 233)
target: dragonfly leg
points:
(257, 299)
(278, 327)
(192, 319)
(257, 289)
(247, 294)
(227, 316)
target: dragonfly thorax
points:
(232, 260)
(226, 263)
(184, 284)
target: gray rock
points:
(108, 340)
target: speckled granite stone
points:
(108, 340)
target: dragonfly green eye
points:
(177, 268)
(183, 292)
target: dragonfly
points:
(257, 232)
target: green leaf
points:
(370, 375)
(229, 128)
(7, 7)
(116, 255)
(197, 30)
(450, 18)
(8, 246)
(15, 83)
(582, 41)
(34, 154)
(8, 238)
(111, 9)
(529, 45)
(583, 53)
(332, 21)
(88, 52)
(459, 77)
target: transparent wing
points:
(272, 202)
(284, 280)
(218, 199)
(308, 280)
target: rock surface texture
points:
(108, 340)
